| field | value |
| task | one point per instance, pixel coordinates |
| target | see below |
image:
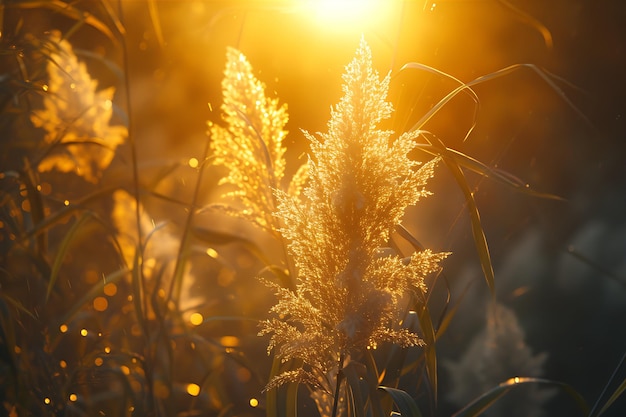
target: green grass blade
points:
(405, 403)
(60, 255)
(430, 351)
(18, 305)
(486, 171)
(450, 313)
(482, 403)
(65, 212)
(616, 394)
(480, 240)
(282, 401)
(354, 380)
(93, 292)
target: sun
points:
(347, 14)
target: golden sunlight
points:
(347, 14)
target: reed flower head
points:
(349, 295)
(160, 246)
(251, 144)
(494, 355)
(76, 117)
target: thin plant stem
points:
(176, 286)
(152, 405)
(338, 386)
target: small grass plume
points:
(75, 116)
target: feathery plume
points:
(251, 144)
(76, 117)
(360, 181)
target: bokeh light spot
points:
(196, 319)
(229, 341)
(84, 332)
(193, 162)
(73, 397)
(100, 304)
(193, 390)
(110, 289)
(254, 402)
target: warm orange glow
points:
(347, 15)
(84, 332)
(196, 319)
(229, 341)
(100, 304)
(63, 328)
(73, 397)
(193, 390)
(254, 402)
(110, 289)
(243, 374)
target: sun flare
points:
(347, 14)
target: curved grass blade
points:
(60, 256)
(480, 240)
(68, 10)
(354, 387)
(531, 21)
(18, 305)
(468, 91)
(595, 265)
(480, 168)
(446, 319)
(405, 403)
(430, 352)
(91, 294)
(281, 401)
(66, 211)
(482, 403)
(546, 76)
